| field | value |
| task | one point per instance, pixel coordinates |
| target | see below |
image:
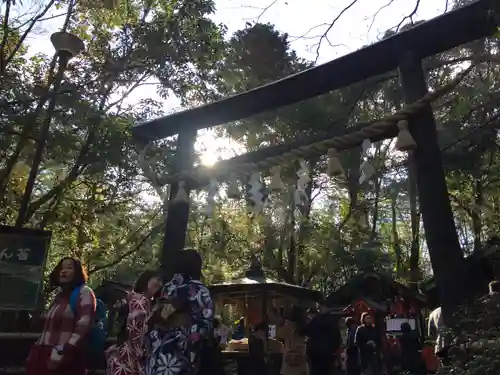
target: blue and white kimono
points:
(175, 351)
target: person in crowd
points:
(435, 327)
(324, 340)
(239, 331)
(411, 358)
(351, 352)
(257, 350)
(221, 331)
(211, 362)
(128, 355)
(182, 320)
(369, 344)
(61, 348)
(293, 335)
(494, 288)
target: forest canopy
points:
(101, 206)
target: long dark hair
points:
(298, 316)
(188, 262)
(80, 277)
(141, 285)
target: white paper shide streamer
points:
(366, 169)
(233, 189)
(276, 184)
(212, 193)
(255, 194)
(302, 182)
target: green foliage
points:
(90, 191)
(476, 345)
(93, 195)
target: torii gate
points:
(403, 51)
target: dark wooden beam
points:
(440, 34)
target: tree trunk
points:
(415, 227)
(476, 213)
(395, 236)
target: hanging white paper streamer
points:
(233, 189)
(302, 182)
(212, 193)
(181, 195)
(276, 184)
(366, 169)
(366, 145)
(255, 192)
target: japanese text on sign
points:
(21, 254)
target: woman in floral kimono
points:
(128, 355)
(182, 320)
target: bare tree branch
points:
(27, 31)
(377, 13)
(265, 10)
(409, 16)
(330, 26)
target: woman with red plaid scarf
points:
(61, 348)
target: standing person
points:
(61, 348)
(257, 351)
(182, 321)
(435, 330)
(293, 334)
(221, 331)
(239, 332)
(411, 358)
(323, 342)
(369, 345)
(128, 355)
(211, 362)
(351, 351)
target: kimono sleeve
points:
(203, 313)
(137, 321)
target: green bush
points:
(476, 343)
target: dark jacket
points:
(368, 353)
(323, 334)
(410, 352)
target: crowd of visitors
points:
(164, 326)
(167, 327)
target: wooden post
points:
(177, 212)
(440, 231)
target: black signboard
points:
(22, 262)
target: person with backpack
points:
(62, 346)
(128, 355)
